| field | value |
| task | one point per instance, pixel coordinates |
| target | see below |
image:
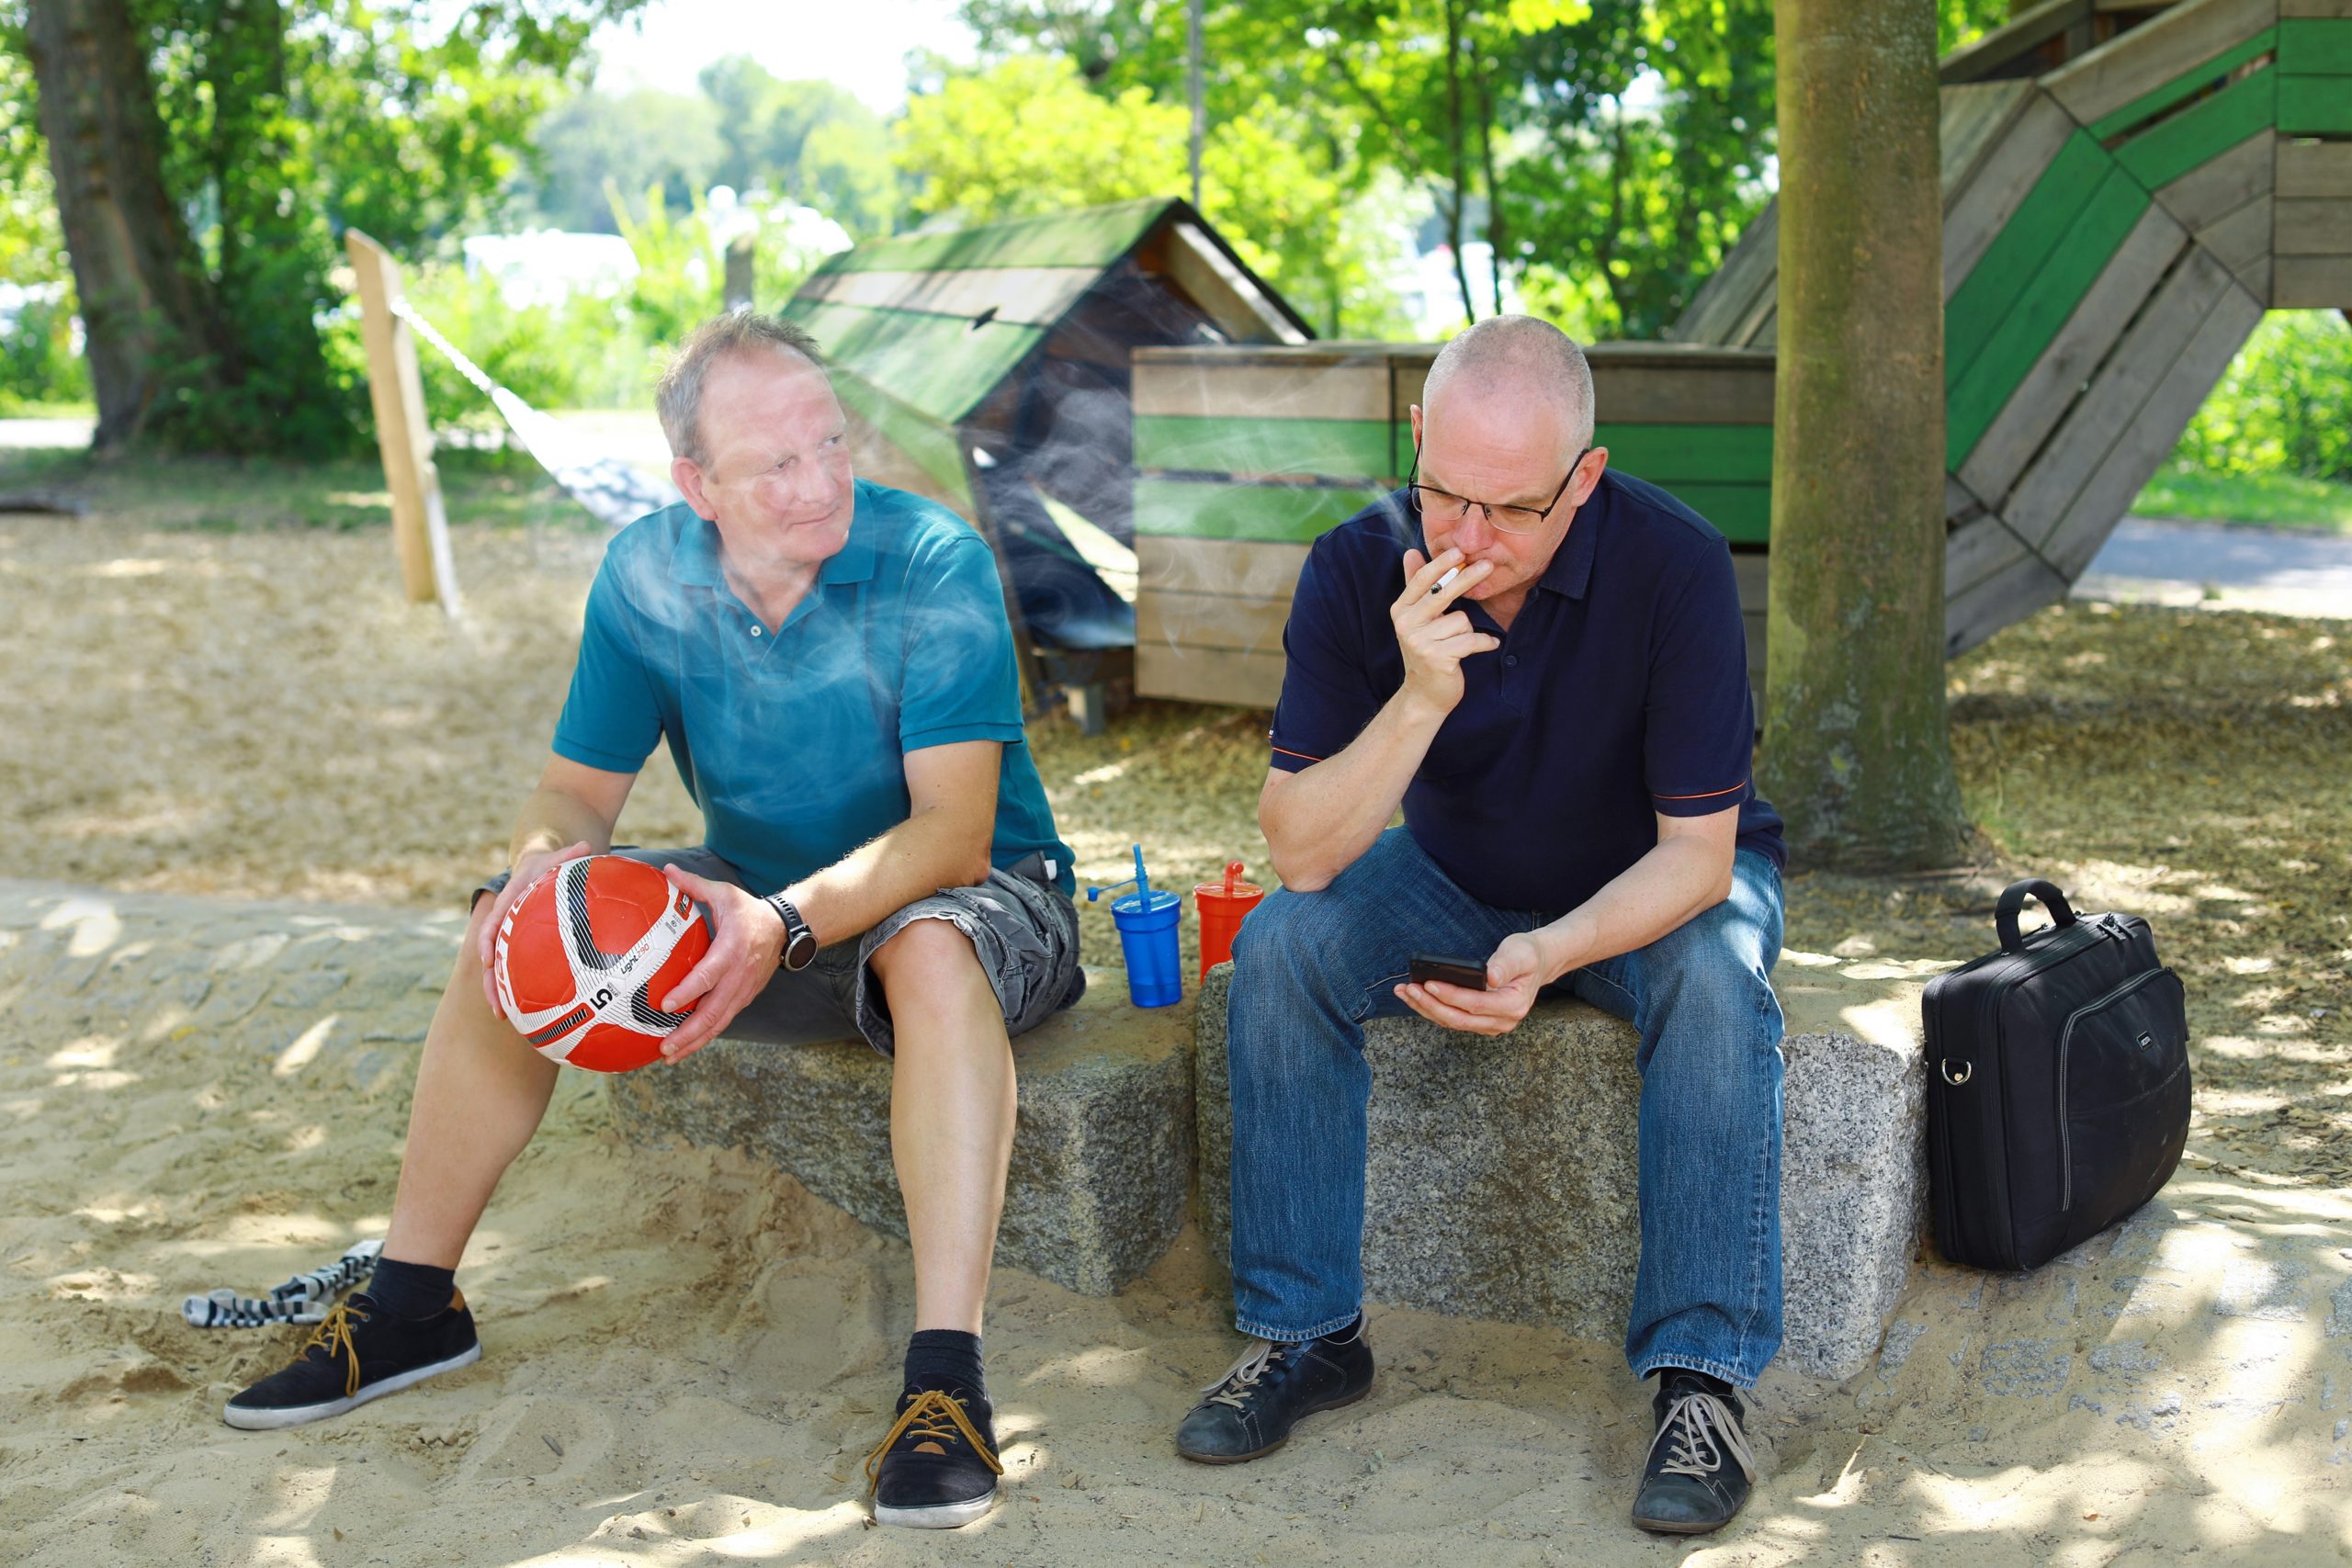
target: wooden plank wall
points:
(1246, 456)
(2124, 187)
(2127, 188)
(2311, 248)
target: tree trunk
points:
(1453, 150)
(146, 311)
(1856, 748)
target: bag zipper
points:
(2066, 1041)
(2079, 937)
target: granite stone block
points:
(1101, 1153)
(1501, 1180)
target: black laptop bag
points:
(2057, 1084)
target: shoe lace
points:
(934, 1416)
(333, 1335)
(1703, 1430)
(1240, 1380)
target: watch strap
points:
(799, 940)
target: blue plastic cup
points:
(1147, 923)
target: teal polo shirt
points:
(792, 743)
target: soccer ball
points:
(584, 953)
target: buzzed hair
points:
(1547, 359)
(678, 397)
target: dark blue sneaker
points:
(937, 1467)
(361, 1352)
(1700, 1468)
(1251, 1410)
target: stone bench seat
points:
(1502, 1178)
(1101, 1151)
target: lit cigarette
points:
(1451, 573)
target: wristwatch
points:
(799, 942)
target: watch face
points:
(800, 949)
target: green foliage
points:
(38, 365)
(1609, 150)
(2269, 500)
(809, 141)
(586, 351)
(2281, 407)
(283, 121)
(635, 141)
(1024, 136)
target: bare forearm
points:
(1323, 817)
(1677, 879)
(552, 819)
(931, 850)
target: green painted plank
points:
(1092, 236)
(1741, 513)
(2187, 84)
(2024, 242)
(2315, 46)
(938, 366)
(1268, 514)
(930, 446)
(2042, 304)
(1667, 454)
(1336, 448)
(2202, 131)
(2314, 106)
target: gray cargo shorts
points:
(1023, 929)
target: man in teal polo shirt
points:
(831, 664)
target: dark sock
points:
(1712, 1384)
(947, 1360)
(1354, 1331)
(412, 1289)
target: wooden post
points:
(420, 526)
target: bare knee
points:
(930, 970)
(926, 957)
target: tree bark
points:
(1856, 747)
(146, 309)
(1453, 150)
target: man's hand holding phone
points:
(1513, 975)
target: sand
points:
(687, 1356)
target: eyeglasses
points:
(1443, 506)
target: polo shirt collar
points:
(696, 562)
(1571, 569)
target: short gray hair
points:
(1547, 356)
(678, 397)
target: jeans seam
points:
(1366, 1002)
(1292, 1336)
(1652, 1364)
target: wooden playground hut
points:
(988, 367)
(2127, 188)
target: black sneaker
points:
(1251, 1410)
(937, 1467)
(361, 1352)
(1687, 1488)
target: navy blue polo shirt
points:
(792, 743)
(1620, 692)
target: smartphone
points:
(1468, 973)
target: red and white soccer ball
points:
(586, 953)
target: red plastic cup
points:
(1223, 907)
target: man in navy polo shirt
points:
(831, 664)
(1542, 663)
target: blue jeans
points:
(1309, 968)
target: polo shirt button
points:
(1510, 660)
(755, 631)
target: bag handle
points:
(2012, 904)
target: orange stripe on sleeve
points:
(1709, 794)
(1303, 756)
